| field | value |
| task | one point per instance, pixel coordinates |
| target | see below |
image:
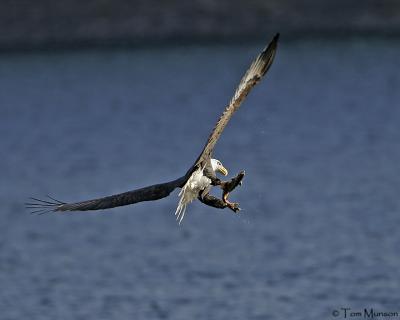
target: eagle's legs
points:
(227, 187)
(212, 201)
(218, 203)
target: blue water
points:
(318, 138)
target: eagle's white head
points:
(218, 167)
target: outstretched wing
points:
(150, 193)
(252, 76)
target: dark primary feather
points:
(252, 76)
(153, 192)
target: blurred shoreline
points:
(49, 25)
(116, 44)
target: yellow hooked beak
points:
(223, 170)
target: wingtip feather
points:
(40, 206)
(272, 44)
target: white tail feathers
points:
(190, 191)
(181, 209)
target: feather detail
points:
(253, 75)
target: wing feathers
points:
(252, 76)
(150, 193)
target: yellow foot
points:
(234, 206)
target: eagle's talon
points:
(234, 206)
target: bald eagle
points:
(201, 176)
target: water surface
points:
(318, 138)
